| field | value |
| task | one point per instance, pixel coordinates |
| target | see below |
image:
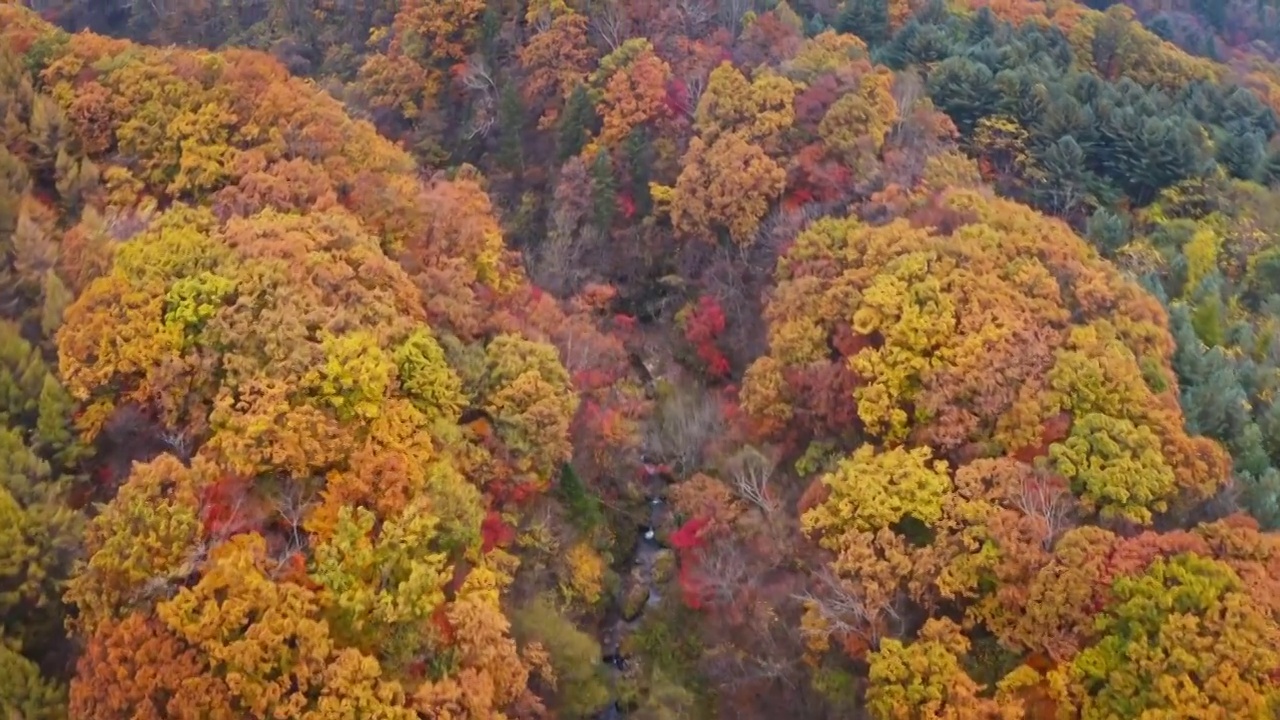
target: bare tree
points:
(694, 16)
(292, 506)
(750, 472)
(179, 442)
(683, 426)
(477, 77)
(849, 611)
(1046, 498)
(558, 264)
(908, 89)
(722, 573)
(611, 23)
(732, 12)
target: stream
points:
(640, 587)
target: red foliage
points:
(440, 620)
(815, 176)
(495, 532)
(627, 204)
(690, 587)
(678, 97)
(689, 536)
(686, 540)
(103, 476)
(1055, 429)
(228, 507)
(703, 326)
(521, 492)
(624, 323)
(593, 378)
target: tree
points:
(510, 125)
(125, 572)
(760, 110)
(136, 667)
(633, 95)
(558, 60)
(24, 692)
(727, 185)
(576, 124)
(580, 687)
(382, 588)
(1180, 638)
(604, 191)
(925, 678)
(272, 639)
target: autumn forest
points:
(656, 359)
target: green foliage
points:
(581, 685)
(511, 118)
(383, 585)
(667, 644)
(426, 378)
(604, 191)
(193, 299)
(1104, 139)
(576, 124)
(868, 19)
(583, 505)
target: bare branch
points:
(847, 611)
(750, 472)
(611, 23)
(722, 573)
(1047, 499)
(682, 427)
(179, 443)
(478, 78)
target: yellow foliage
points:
(585, 575)
(873, 490)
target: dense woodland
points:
(483, 359)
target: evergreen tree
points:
(1107, 230)
(604, 191)
(639, 155)
(1243, 153)
(815, 26)
(575, 124)
(868, 19)
(510, 124)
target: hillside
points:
(875, 358)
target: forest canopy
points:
(482, 359)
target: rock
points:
(634, 602)
(664, 565)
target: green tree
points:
(576, 124)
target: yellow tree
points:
(855, 126)
(876, 503)
(924, 679)
(271, 640)
(557, 60)
(728, 186)
(761, 110)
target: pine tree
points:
(1107, 230)
(868, 19)
(604, 191)
(640, 167)
(56, 300)
(510, 124)
(575, 124)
